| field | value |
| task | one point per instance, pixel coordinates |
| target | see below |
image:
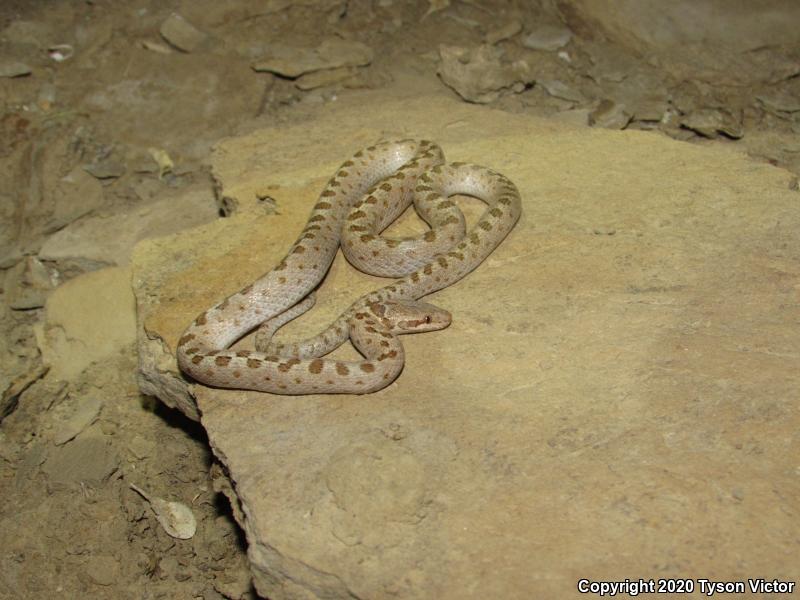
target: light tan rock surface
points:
(89, 318)
(616, 395)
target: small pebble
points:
(105, 170)
(610, 115)
(503, 33)
(14, 69)
(547, 37)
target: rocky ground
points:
(112, 121)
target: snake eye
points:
(427, 319)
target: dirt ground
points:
(107, 107)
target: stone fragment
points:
(109, 169)
(559, 89)
(212, 594)
(547, 37)
(480, 74)
(435, 6)
(88, 318)
(13, 389)
(96, 242)
(13, 68)
(650, 110)
(141, 447)
(779, 101)
(610, 63)
(84, 413)
(609, 115)
(317, 79)
(237, 583)
(504, 32)
(30, 461)
(293, 61)
(710, 122)
(71, 197)
(157, 47)
(31, 282)
(642, 91)
(181, 34)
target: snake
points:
(360, 200)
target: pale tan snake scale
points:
(362, 198)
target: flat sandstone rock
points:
(616, 396)
(89, 319)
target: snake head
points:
(410, 316)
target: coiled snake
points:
(367, 193)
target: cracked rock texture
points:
(619, 381)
